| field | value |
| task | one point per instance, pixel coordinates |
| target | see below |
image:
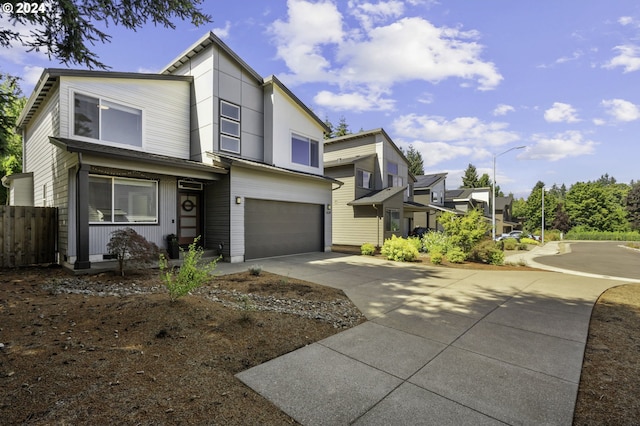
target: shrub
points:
(399, 249)
(456, 255)
(436, 241)
(523, 246)
(436, 257)
(255, 270)
(131, 248)
(487, 251)
(367, 249)
(464, 231)
(530, 241)
(416, 242)
(191, 275)
(509, 244)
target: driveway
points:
(442, 346)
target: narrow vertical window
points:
(229, 127)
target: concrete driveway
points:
(442, 346)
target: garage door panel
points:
(276, 228)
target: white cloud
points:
(622, 110)
(437, 152)
(626, 20)
(356, 102)
(31, 75)
(317, 46)
(599, 122)
(561, 112)
(628, 58)
(223, 32)
(559, 146)
(370, 14)
(469, 131)
(503, 109)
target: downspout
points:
(375, 206)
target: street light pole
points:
(493, 198)
(542, 235)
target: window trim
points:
(156, 185)
(310, 142)
(228, 118)
(360, 179)
(101, 99)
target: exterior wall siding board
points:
(217, 205)
(351, 148)
(165, 106)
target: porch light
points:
(238, 200)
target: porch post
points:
(82, 218)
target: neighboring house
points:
(430, 190)
(376, 200)
(207, 147)
(504, 217)
(465, 199)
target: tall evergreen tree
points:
(633, 206)
(11, 104)
(561, 220)
(470, 177)
(66, 30)
(343, 128)
(416, 164)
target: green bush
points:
(523, 246)
(530, 241)
(456, 255)
(551, 235)
(579, 233)
(191, 275)
(436, 257)
(255, 270)
(464, 231)
(436, 241)
(509, 244)
(487, 251)
(399, 249)
(367, 249)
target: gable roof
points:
(365, 134)
(50, 77)
(502, 202)
(200, 45)
(427, 181)
(209, 39)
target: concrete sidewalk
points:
(442, 346)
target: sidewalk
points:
(442, 346)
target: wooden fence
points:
(28, 235)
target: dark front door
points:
(189, 217)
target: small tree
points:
(464, 231)
(130, 247)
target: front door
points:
(189, 217)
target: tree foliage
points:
(342, 129)
(597, 206)
(632, 204)
(464, 231)
(561, 220)
(67, 29)
(131, 248)
(416, 163)
(533, 208)
(11, 104)
(470, 177)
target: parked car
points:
(513, 234)
(418, 231)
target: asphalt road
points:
(598, 257)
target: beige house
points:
(376, 199)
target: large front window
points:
(304, 151)
(117, 200)
(100, 119)
(229, 127)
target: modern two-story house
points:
(376, 200)
(430, 190)
(205, 148)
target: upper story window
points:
(364, 179)
(392, 175)
(304, 151)
(118, 200)
(229, 127)
(100, 119)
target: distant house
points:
(205, 148)
(376, 200)
(465, 199)
(504, 216)
(430, 190)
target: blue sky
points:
(460, 80)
